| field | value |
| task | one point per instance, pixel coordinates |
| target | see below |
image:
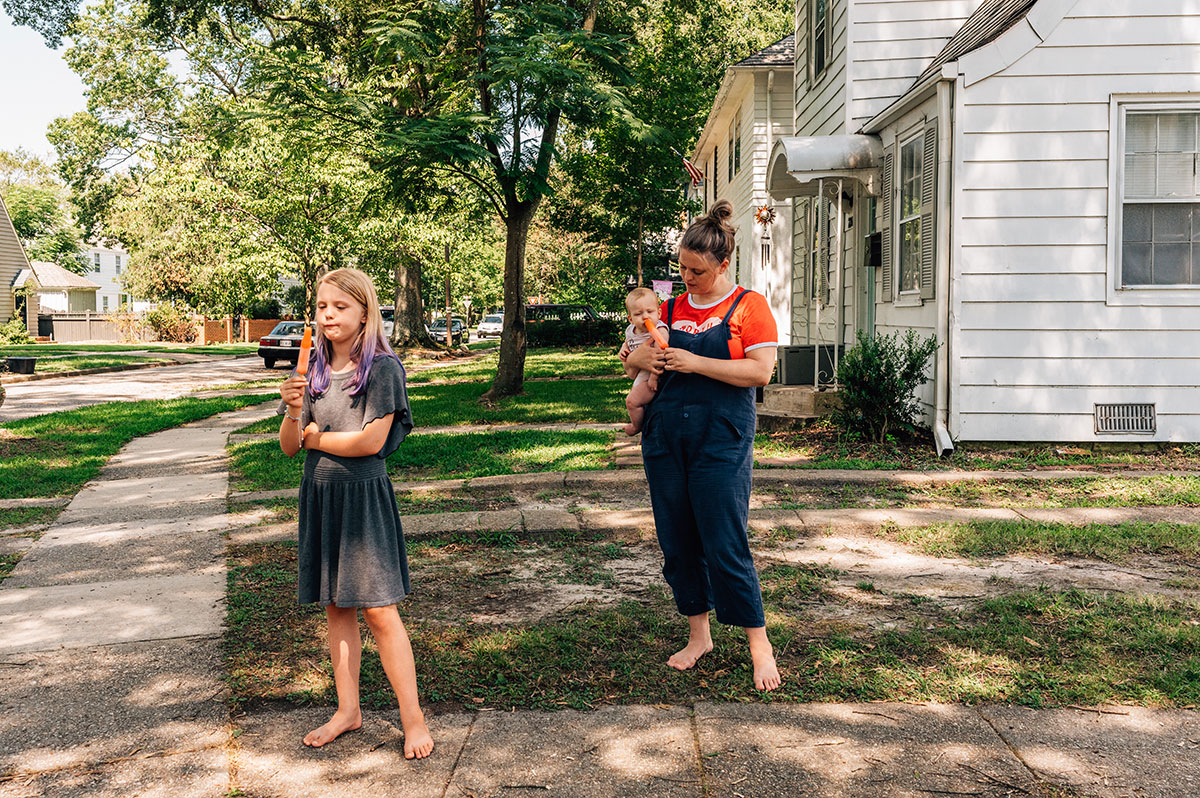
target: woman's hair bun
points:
(712, 233)
(721, 211)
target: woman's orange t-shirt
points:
(751, 326)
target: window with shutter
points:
(886, 201)
(908, 216)
(928, 209)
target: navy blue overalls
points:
(698, 450)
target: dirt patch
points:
(14, 445)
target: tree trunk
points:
(408, 321)
(510, 373)
(641, 232)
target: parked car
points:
(458, 331)
(282, 343)
(492, 324)
(389, 319)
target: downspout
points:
(943, 443)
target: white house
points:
(12, 261)
(752, 109)
(57, 290)
(1018, 178)
(105, 264)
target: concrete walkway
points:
(110, 685)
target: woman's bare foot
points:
(418, 743)
(340, 723)
(766, 674)
(690, 654)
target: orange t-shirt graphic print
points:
(751, 326)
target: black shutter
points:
(886, 201)
(928, 212)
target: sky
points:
(37, 87)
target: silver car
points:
(492, 324)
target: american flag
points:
(694, 173)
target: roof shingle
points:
(988, 23)
(781, 53)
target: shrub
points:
(14, 332)
(170, 324)
(574, 333)
(264, 309)
(879, 378)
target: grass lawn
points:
(36, 350)
(561, 362)
(261, 465)
(52, 365)
(15, 517)
(1110, 542)
(1036, 648)
(56, 453)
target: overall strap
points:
(670, 310)
(733, 307)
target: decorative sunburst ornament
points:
(765, 215)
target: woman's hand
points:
(311, 436)
(681, 360)
(292, 391)
(648, 357)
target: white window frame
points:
(916, 135)
(1148, 295)
(96, 262)
(815, 74)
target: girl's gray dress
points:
(351, 547)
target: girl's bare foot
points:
(766, 674)
(690, 654)
(418, 743)
(340, 723)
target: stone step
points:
(797, 400)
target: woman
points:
(698, 442)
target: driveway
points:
(47, 396)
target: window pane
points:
(910, 255)
(1195, 265)
(1176, 132)
(1139, 175)
(1135, 264)
(1176, 175)
(1140, 133)
(910, 179)
(1136, 223)
(1172, 264)
(1172, 222)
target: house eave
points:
(909, 100)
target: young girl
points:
(350, 415)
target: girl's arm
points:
(752, 371)
(292, 392)
(350, 444)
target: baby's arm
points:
(350, 444)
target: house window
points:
(737, 143)
(716, 171)
(118, 260)
(96, 262)
(908, 227)
(729, 154)
(104, 303)
(820, 24)
(1160, 200)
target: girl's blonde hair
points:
(370, 343)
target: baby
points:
(641, 304)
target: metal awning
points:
(799, 163)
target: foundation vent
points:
(1125, 419)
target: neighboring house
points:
(753, 108)
(105, 265)
(58, 290)
(1018, 178)
(12, 261)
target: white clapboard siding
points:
(1129, 372)
(12, 261)
(891, 43)
(1024, 259)
(1009, 288)
(1077, 343)
(1036, 345)
(821, 107)
(1067, 315)
(1067, 427)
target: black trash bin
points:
(21, 365)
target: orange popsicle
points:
(305, 349)
(654, 333)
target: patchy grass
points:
(15, 517)
(8, 562)
(1108, 542)
(37, 350)
(824, 446)
(261, 465)
(1036, 648)
(539, 363)
(57, 364)
(54, 454)
(410, 503)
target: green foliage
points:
(40, 216)
(14, 332)
(878, 379)
(264, 308)
(170, 324)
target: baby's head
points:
(641, 304)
